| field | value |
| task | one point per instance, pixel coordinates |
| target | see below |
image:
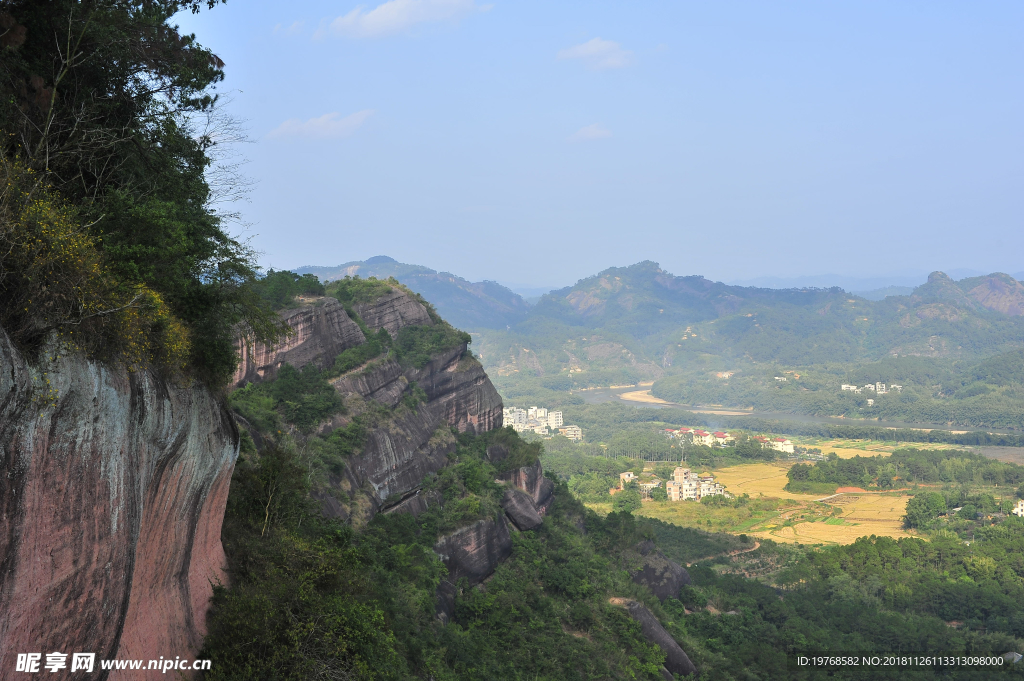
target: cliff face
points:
(414, 442)
(113, 486)
(321, 331)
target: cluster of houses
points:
(701, 437)
(719, 439)
(685, 485)
(540, 421)
(878, 388)
(779, 444)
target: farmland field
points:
(774, 513)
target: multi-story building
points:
(781, 444)
(554, 419)
(574, 433)
(626, 478)
(687, 483)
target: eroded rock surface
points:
(520, 509)
(393, 311)
(322, 331)
(113, 486)
(659, 574)
(474, 552)
(531, 480)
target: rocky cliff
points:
(112, 492)
(321, 330)
(407, 443)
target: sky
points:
(536, 143)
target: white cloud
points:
(294, 29)
(397, 15)
(590, 132)
(599, 54)
(328, 126)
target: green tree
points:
(114, 109)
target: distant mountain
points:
(885, 292)
(465, 304)
(640, 322)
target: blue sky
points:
(537, 143)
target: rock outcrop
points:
(531, 480)
(520, 509)
(416, 442)
(676, 659)
(322, 330)
(393, 311)
(113, 486)
(659, 574)
(472, 553)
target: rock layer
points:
(322, 330)
(393, 311)
(113, 486)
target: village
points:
(719, 439)
(540, 421)
(685, 485)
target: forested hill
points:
(643, 302)
(466, 304)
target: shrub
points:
(280, 288)
(53, 278)
(355, 290)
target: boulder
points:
(676, 660)
(531, 480)
(497, 453)
(474, 552)
(659, 574)
(519, 508)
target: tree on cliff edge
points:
(103, 104)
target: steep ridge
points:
(113, 486)
(415, 449)
(394, 459)
(321, 330)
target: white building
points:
(871, 402)
(554, 419)
(574, 433)
(686, 484)
(1018, 510)
(625, 479)
(702, 437)
(851, 388)
(723, 438)
(880, 388)
(781, 444)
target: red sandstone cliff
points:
(415, 443)
(112, 491)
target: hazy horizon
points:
(533, 142)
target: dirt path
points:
(734, 552)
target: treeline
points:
(906, 466)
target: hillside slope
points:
(376, 492)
